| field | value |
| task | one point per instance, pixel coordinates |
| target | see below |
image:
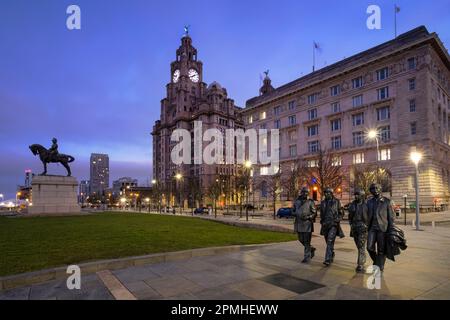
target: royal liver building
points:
(190, 99)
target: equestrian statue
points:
(52, 156)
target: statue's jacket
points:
(305, 213)
(331, 215)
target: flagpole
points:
(314, 56)
(395, 20)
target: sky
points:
(98, 89)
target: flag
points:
(397, 9)
(317, 47)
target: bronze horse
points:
(46, 157)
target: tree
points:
(291, 183)
(365, 175)
(327, 171)
(242, 187)
(215, 192)
(273, 185)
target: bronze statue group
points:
(371, 222)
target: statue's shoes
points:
(306, 260)
(327, 263)
(313, 250)
(360, 269)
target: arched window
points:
(264, 189)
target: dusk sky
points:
(98, 89)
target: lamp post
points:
(18, 194)
(178, 176)
(147, 200)
(415, 158)
(373, 135)
(404, 198)
(248, 166)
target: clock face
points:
(176, 76)
(193, 75)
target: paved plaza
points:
(271, 272)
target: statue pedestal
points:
(54, 195)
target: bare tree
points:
(291, 182)
(215, 190)
(327, 171)
(273, 184)
(365, 175)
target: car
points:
(201, 210)
(284, 212)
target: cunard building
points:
(399, 91)
(190, 99)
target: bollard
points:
(433, 224)
(413, 223)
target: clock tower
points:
(189, 99)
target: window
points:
(357, 101)
(413, 128)
(312, 163)
(383, 93)
(262, 115)
(335, 107)
(250, 119)
(336, 143)
(293, 150)
(313, 130)
(411, 63)
(358, 119)
(264, 171)
(313, 146)
(412, 105)
(382, 74)
(277, 124)
(291, 105)
(312, 114)
(277, 110)
(358, 138)
(357, 82)
(292, 120)
(384, 154)
(335, 124)
(412, 84)
(385, 133)
(337, 161)
(312, 98)
(293, 135)
(383, 113)
(358, 158)
(335, 90)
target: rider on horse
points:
(53, 151)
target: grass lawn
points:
(28, 244)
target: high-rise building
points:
(190, 99)
(99, 173)
(375, 107)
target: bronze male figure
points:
(380, 223)
(305, 213)
(358, 220)
(331, 213)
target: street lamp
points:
(178, 176)
(147, 200)
(373, 135)
(248, 166)
(123, 201)
(415, 158)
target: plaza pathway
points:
(270, 272)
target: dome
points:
(216, 85)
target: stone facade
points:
(54, 195)
(400, 88)
(189, 99)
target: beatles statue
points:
(305, 214)
(357, 218)
(331, 214)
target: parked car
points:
(201, 210)
(284, 212)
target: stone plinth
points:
(54, 195)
